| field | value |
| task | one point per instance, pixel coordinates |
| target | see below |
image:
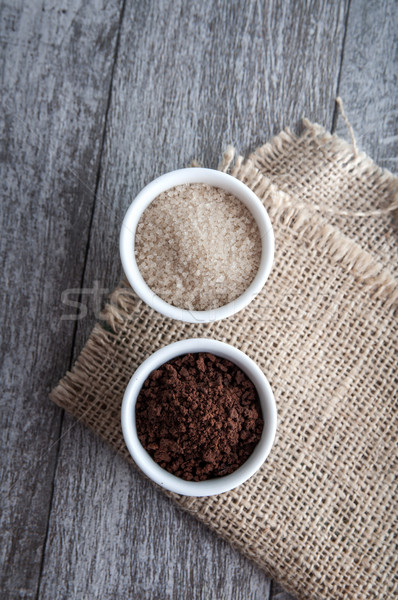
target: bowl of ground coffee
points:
(197, 245)
(199, 417)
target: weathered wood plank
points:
(369, 82)
(55, 72)
(190, 78)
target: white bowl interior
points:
(216, 179)
(144, 460)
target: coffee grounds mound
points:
(199, 416)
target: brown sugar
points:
(197, 247)
(199, 416)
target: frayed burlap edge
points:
(342, 154)
(317, 231)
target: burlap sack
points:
(321, 514)
(331, 177)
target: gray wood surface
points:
(368, 81)
(55, 85)
(98, 99)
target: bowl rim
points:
(159, 475)
(216, 179)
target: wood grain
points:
(369, 81)
(55, 73)
(190, 78)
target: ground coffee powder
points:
(199, 416)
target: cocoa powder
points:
(199, 416)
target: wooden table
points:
(98, 98)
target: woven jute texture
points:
(323, 172)
(320, 516)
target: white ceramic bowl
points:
(144, 460)
(216, 179)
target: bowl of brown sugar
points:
(199, 417)
(197, 245)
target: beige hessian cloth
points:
(320, 516)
